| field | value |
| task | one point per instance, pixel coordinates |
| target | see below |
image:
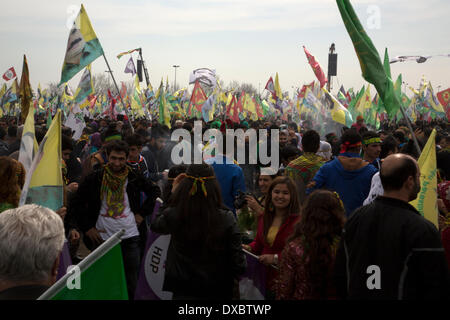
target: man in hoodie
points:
(348, 174)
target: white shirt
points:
(112, 225)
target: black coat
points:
(84, 208)
(392, 235)
(197, 270)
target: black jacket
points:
(85, 205)
(196, 270)
(392, 235)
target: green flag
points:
(101, 276)
(371, 66)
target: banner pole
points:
(118, 92)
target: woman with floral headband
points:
(204, 256)
(306, 266)
(281, 212)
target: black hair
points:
(351, 136)
(311, 141)
(66, 142)
(135, 140)
(293, 125)
(12, 131)
(199, 220)
(289, 151)
(397, 176)
(388, 145)
(174, 171)
(117, 146)
(158, 131)
(2, 133)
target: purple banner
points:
(151, 276)
(64, 261)
(252, 284)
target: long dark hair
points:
(198, 213)
(320, 226)
(269, 210)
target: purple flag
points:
(151, 276)
(252, 284)
(130, 67)
(64, 261)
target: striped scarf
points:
(113, 187)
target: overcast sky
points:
(243, 40)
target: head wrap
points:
(372, 140)
(345, 146)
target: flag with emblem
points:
(83, 47)
(9, 74)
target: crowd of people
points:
(336, 208)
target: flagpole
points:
(118, 92)
(83, 265)
(408, 123)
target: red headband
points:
(346, 145)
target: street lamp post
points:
(175, 82)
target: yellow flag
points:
(44, 185)
(28, 143)
(278, 88)
(427, 197)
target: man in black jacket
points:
(388, 250)
(108, 200)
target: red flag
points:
(258, 108)
(316, 68)
(444, 97)
(302, 92)
(270, 86)
(9, 74)
(240, 102)
(198, 98)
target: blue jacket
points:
(230, 178)
(349, 177)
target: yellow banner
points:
(426, 202)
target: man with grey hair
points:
(31, 240)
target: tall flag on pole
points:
(85, 87)
(101, 276)
(426, 200)
(371, 66)
(316, 68)
(83, 47)
(44, 184)
(271, 87)
(278, 88)
(9, 74)
(130, 67)
(25, 92)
